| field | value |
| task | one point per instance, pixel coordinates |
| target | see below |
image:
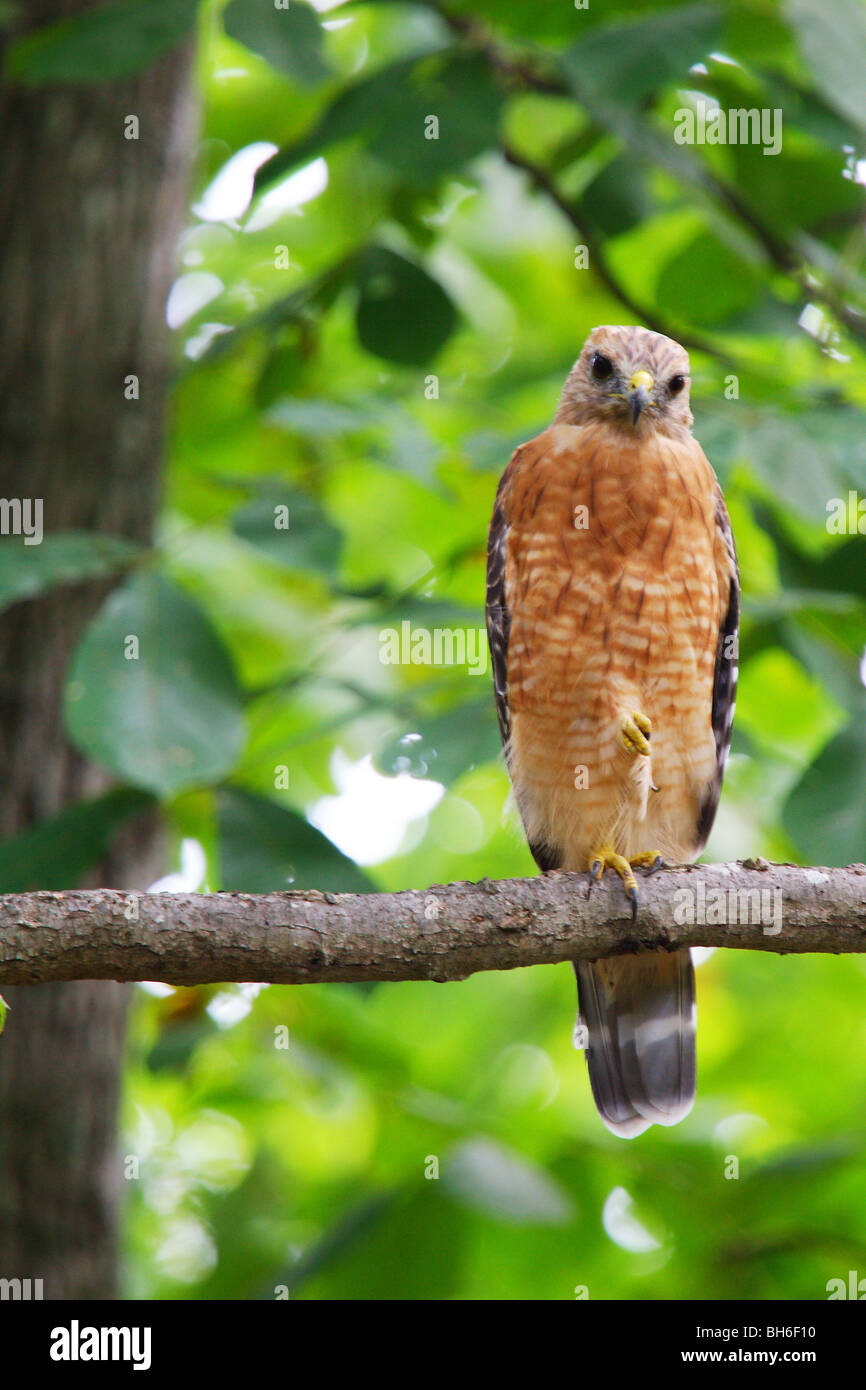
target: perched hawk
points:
(612, 609)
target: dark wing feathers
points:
(498, 621)
(547, 857)
(725, 679)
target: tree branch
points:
(445, 933)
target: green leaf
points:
(54, 854)
(305, 415)
(63, 557)
(290, 39)
(267, 848)
(429, 612)
(403, 315)
(839, 570)
(807, 456)
(627, 62)
(281, 374)
(292, 312)
(4, 1009)
(493, 1179)
(526, 18)
(445, 746)
(617, 198)
(356, 111)
(809, 1160)
(774, 680)
(759, 37)
(770, 607)
(832, 38)
(390, 112)
(831, 647)
(799, 188)
(309, 542)
(825, 814)
(252, 1252)
(614, 70)
(705, 282)
(462, 95)
(357, 1237)
(177, 1042)
(102, 43)
(152, 693)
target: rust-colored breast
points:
(615, 603)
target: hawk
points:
(612, 612)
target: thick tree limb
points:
(444, 933)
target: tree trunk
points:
(88, 227)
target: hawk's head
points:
(628, 376)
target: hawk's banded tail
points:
(640, 1019)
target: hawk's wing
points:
(498, 620)
(498, 630)
(727, 653)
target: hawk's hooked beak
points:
(641, 386)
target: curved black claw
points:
(654, 868)
(632, 895)
(594, 876)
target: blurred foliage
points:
(367, 321)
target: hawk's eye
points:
(602, 367)
(676, 384)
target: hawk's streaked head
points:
(629, 376)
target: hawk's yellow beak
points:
(641, 386)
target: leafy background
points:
(367, 322)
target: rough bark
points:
(88, 227)
(445, 933)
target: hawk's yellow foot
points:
(650, 857)
(607, 858)
(635, 733)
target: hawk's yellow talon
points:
(607, 858)
(650, 857)
(635, 733)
